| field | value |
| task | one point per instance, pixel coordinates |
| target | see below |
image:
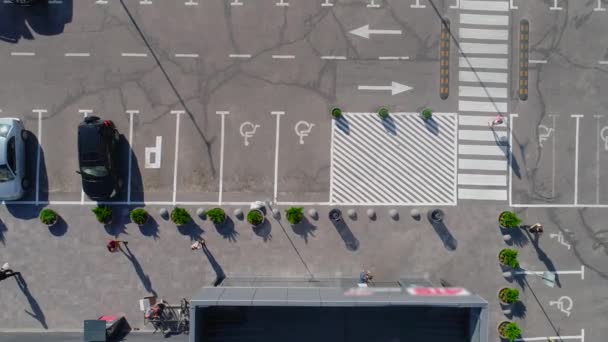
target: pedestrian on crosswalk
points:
(497, 121)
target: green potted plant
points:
(508, 219)
(509, 330)
(426, 114)
(180, 216)
(217, 215)
(508, 257)
(294, 215)
(255, 217)
(139, 216)
(383, 113)
(336, 113)
(48, 217)
(103, 213)
(508, 295)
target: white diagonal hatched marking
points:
(397, 161)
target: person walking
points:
(6, 272)
(366, 277)
(114, 245)
(536, 228)
(497, 121)
(199, 244)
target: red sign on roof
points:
(438, 291)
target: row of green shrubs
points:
(384, 113)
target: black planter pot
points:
(335, 215)
(436, 215)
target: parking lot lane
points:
(593, 151)
(250, 138)
(304, 149)
(199, 155)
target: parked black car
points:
(98, 158)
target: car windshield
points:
(5, 173)
(95, 171)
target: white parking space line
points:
(327, 4)
(417, 5)
(537, 61)
(540, 273)
(478, 179)
(283, 57)
(85, 113)
(334, 57)
(101, 2)
(476, 120)
(482, 164)
(474, 106)
(485, 135)
(580, 337)
(577, 117)
(177, 113)
(236, 3)
(495, 6)
(483, 63)
(132, 54)
(466, 91)
(16, 53)
(484, 19)
(191, 3)
(276, 154)
(282, 3)
(599, 7)
(482, 150)
(394, 58)
(234, 55)
(555, 7)
(77, 54)
(597, 159)
(130, 112)
(482, 194)
(373, 4)
(223, 114)
(603, 62)
(38, 152)
(186, 55)
(480, 76)
(145, 2)
(494, 49)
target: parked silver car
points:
(13, 179)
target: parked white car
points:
(13, 180)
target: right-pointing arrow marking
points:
(395, 88)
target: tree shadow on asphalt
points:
(263, 230)
(518, 310)
(150, 228)
(518, 237)
(193, 230)
(217, 268)
(33, 149)
(350, 240)
(119, 222)
(389, 125)
(226, 229)
(59, 228)
(542, 256)
(343, 125)
(18, 22)
(143, 277)
(304, 229)
(36, 313)
(432, 126)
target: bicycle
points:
(183, 324)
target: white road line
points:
(481, 150)
(486, 34)
(483, 63)
(23, 53)
(599, 7)
(581, 272)
(475, 106)
(577, 117)
(327, 4)
(603, 62)
(537, 61)
(145, 2)
(465, 91)
(475, 120)
(482, 164)
(334, 57)
(276, 154)
(191, 3)
(373, 4)
(282, 3)
(101, 2)
(493, 49)
(77, 54)
(39, 151)
(479, 76)
(131, 54)
(177, 113)
(581, 337)
(554, 143)
(484, 19)
(236, 3)
(495, 6)
(234, 55)
(130, 112)
(554, 7)
(483, 135)
(222, 132)
(394, 58)
(85, 113)
(597, 160)
(283, 57)
(417, 5)
(479, 179)
(482, 194)
(186, 55)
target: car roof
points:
(89, 141)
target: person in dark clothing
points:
(7, 273)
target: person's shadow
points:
(542, 256)
(2, 230)
(36, 310)
(145, 279)
(217, 268)
(350, 240)
(18, 22)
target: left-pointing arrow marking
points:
(365, 31)
(395, 88)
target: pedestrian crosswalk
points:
(483, 76)
(400, 161)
